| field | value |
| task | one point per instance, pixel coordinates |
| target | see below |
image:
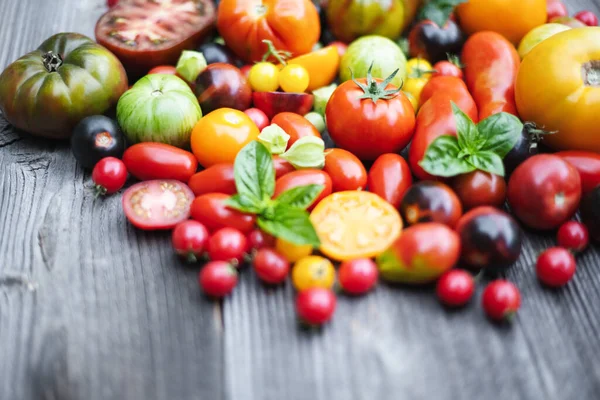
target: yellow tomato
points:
(413, 100)
(292, 252)
(293, 78)
(418, 73)
(511, 18)
(558, 88)
(322, 66)
(313, 271)
(264, 77)
(538, 35)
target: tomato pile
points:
(335, 143)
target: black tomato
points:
(217, 53)
(95, 138)
(430, 201)
(223, 85)
(490, 239)
(590, 213)
(527, 146)
(434, 43)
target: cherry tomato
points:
(147, 161)
(390, 178)
(158, 204)
(189, 239)
(346, 171)
(292, 252)
(109, 175)
(217, 178)
(479, 188)
(501, 300)
(218, 278)
(315, 306)
(555, 9)
(264, 77)
(418, 73)
(282, 167)
(210, 209)
(587, 164)
(303, 178)
(446, 68)
(220, 135)
(111, 3)
(544, 191)
(555, 267)
(163, 69)
(257, 239)
(587, 17)
(358, 276)
(270, 266)
(222, 85)
(341, 47)
(573, 235)
(294, 78)
(258, 117)
(321, 64)
(430, 201)
(295, 125)
(455, 288)
(313, 271)
(428, 40)
(227, 244)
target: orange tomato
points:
(220, 135)
(322, 66)
(511, 18)
(292, 25)
(355, 224)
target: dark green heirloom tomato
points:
(69, 77)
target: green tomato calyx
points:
(52, 62)
(374, 90)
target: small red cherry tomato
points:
(227, 244)
(446, 68)
(390, 178)
(455, 288)
(218, 278)
(555, 267)
(282, 167)
(210, 209)
(587, 17)
(430, 201)
(109, 175)
(358, 276)
(257, 239)
(258, 117)
(479, 188)
(315, 306)
(302, 178)
(112, 3)
(555, 9)
(347, 172)
(573, 235)
(501, 299)
(163, 69)
(340, 46)
(150, 160)
(270, 266)
(587, 164)
(217, 178)
(189, 239)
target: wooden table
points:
(91, 308)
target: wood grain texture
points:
(91, 308)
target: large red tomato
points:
(292, 25)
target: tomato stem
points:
(280, 55)
(534, 134)
(375, 91)
(52, 61)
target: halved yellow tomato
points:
(322, 66)
(355, 224)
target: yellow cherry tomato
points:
(312, 272)
(418, 72)
(294, 78)
(292, 252)
(322, 66)
(413, 100)
(264, 77)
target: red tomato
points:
(491, 67)
(365, 127)
(358, 276)
(227, 244)
(282, 167)
(157, 204)
(210, 209)
(163, 69)
(555, 267)
(315, 306)
(302, 178)
(218, 279)
(270, 266)
(544, 191)
(389, 178)
(501, 299)
(189, 239)
(295, 125)
(587, 17)
(258, 117)
(588, 166)
(446, 68)
(573, 235)
(257, 239)
(479, 188)
(214, 179)
(346, 171)
(340, 46)
(455, 288)
(150, 160)
(109, 175)
(292, 25)
(556, 9)
(245, 70)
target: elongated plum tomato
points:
(430, 201)
(282, 167)
(222, 85)
(218, 178)
(210, 210)
(220, 135)
(149, 160)
(346, 171)
(157, 204)
(295, 125)
(390, 177)
(303, 178)
(544, 191)
(145, 34)
(421, 254)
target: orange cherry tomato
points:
(215, 179)
(302, 178)
(322, 66)
(220, 135)
(347, 172)
(390, 177)
(295, 125)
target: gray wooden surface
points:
(91, 308)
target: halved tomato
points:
(158, 204)
(355, 224)
(322, 66)
(144, 34)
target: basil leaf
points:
(487, 161)
(441, 158)
(243, 204)
(468, 135)
(501, 133)
(254, 173)
(290, 224)
(301, 196)
(439, 11)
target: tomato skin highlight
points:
(491, 68)
(295, 125)
(346, 171)
(218, 178)
(210, 210)
(588, 166)
(389, 178)
(302, 178)
(147, 161)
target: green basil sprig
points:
(439, 11)
(285, 216)
(475, 147)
